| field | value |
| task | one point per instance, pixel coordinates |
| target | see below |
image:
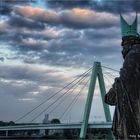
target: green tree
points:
(55, 121)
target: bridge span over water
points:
(106, 125)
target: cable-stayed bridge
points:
(102, 73)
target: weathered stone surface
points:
(125, 95)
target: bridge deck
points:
(106, 125)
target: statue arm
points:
(110, 97)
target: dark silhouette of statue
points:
(125, 92)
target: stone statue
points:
(125, 92)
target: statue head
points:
(130, 36)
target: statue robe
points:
(125, 95)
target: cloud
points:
(28, 85)
(125, 6)
(77, 52)
(31, 74)
(68, 4)
(5, 10)
(19, 21)
(3, 27)
(102, 6)
(2, 59)
(7, 6)
(84, 18)
(62, 47)
(112, 33)
(38, 14)
(76, 18)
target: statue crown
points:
(127, 29)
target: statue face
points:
(127, 44)
(124, 52)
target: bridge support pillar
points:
(96, 73)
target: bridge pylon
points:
(96, 73)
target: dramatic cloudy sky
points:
(45, 44)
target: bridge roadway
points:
(103, 125)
